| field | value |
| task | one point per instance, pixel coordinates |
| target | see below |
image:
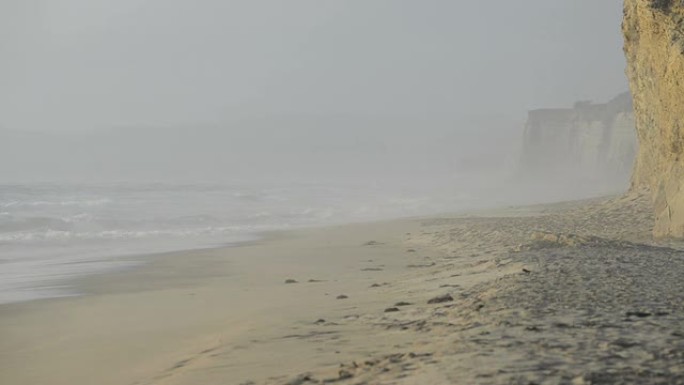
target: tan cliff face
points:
(654, 47)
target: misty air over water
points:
(147, 126)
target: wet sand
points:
(573, 293)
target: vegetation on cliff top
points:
(662, 5)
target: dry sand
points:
(575, 293)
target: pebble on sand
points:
(372, 243)
(290, 280)
(342, 296)
(344, 375)
(441, 299)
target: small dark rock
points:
(342, 296)
(344, 374)
(290, 280)
(375, 285)
(315, 280)
(441, 299)
(526, 271)
(640, 314)
(372, 243)
(414, 266)
(395, 358)
(414, 355)
(625, 343)
(562, 325)
(411, 250)
(301, 379)
(391, 309)
(402, 303)
(320, 321)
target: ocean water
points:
(50, 233)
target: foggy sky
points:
(73, 65)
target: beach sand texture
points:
(572, 293)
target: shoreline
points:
(56, 281)
(366, 307)
(157, 279)
(67, 286)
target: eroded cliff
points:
(592, 143)
(654, 47)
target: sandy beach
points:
(342, 192)
(571, 293)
